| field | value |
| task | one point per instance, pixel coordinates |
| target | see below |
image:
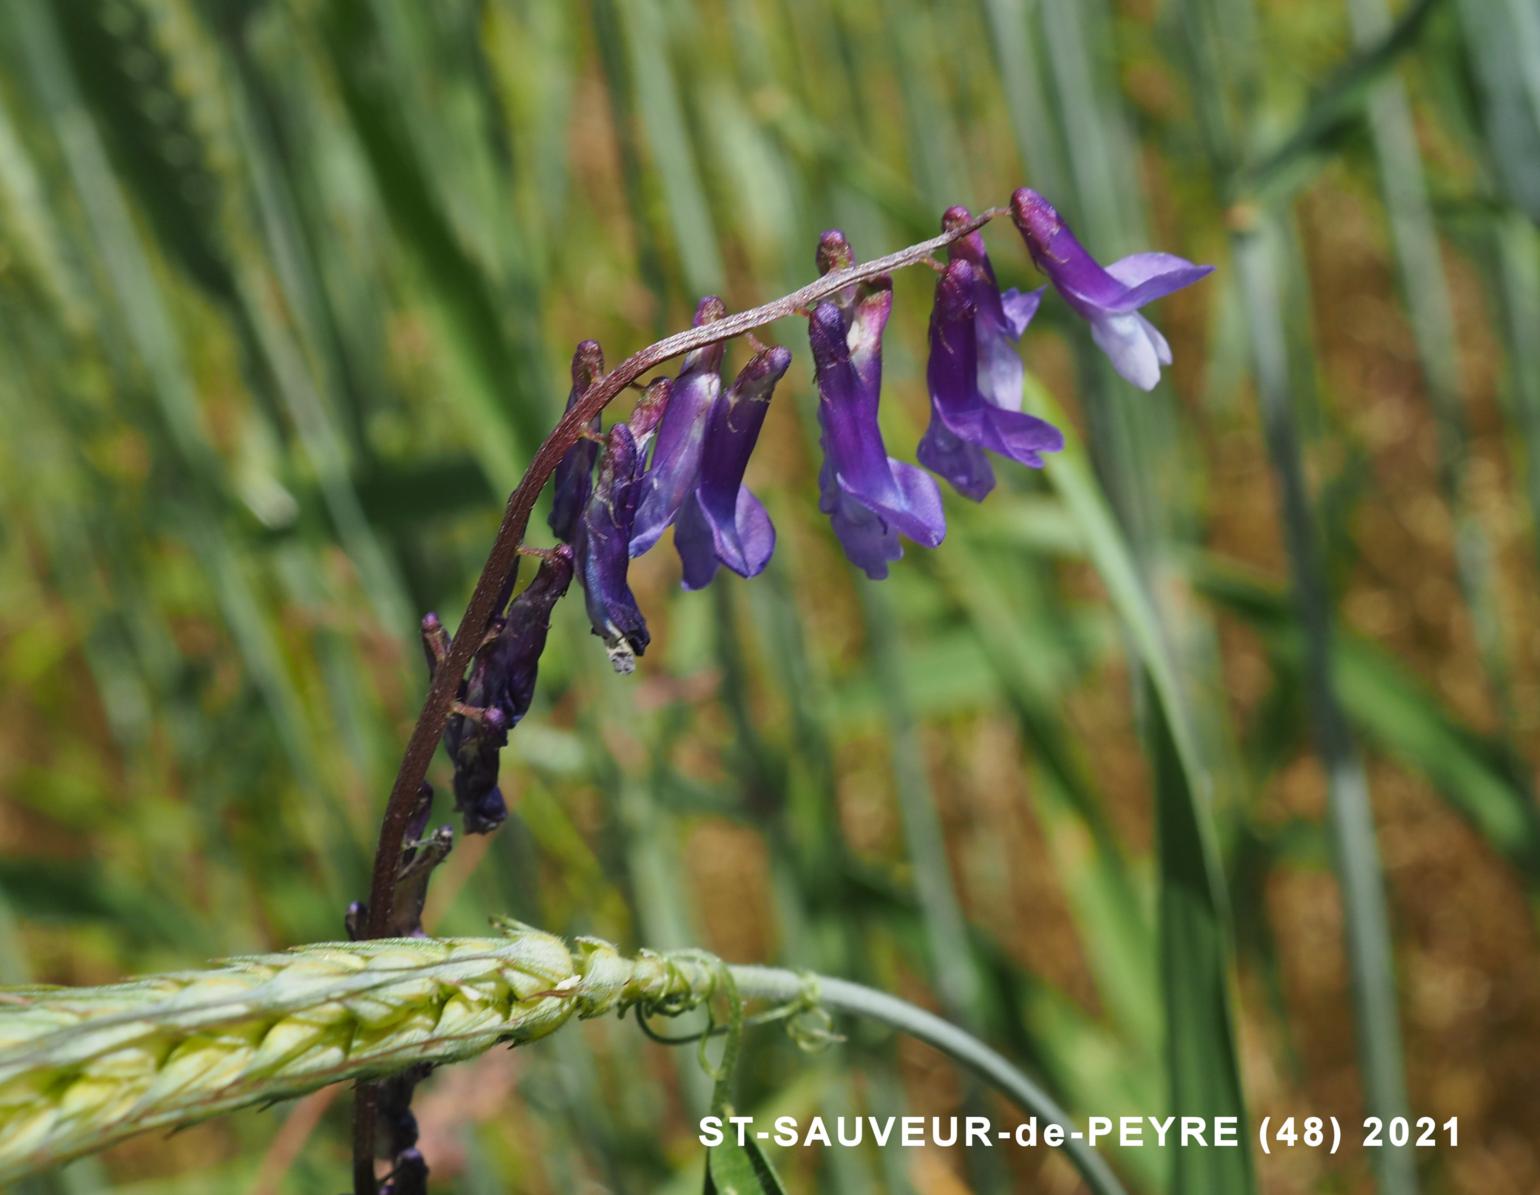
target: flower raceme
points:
(680, 458)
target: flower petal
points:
(1126, 340)
(746, 544)
(1020, 307)
(869, 542)
(960, 412)
(696, 545)
(676, 456)
(1151, 276)
(742, 531)
(965, 466)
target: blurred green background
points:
(287, 292)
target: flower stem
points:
(503, 559)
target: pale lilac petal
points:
(1019, 308)
(919, 516)
(1125, 338)
(1151, 276)
(1000, 371)
(1162, 347)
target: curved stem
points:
(775, 985)
(497, 573)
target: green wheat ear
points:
(82, 1068)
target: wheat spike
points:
(81, 1068)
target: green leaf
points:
(733, 1169)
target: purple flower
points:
(1109, 299)
(1002, 317)
(871, 498)
(603, 552)
(965, 419)
(574, 474)
(720, 521)
(676, 456)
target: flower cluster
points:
(678, 461)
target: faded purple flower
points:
(964, 419)
(1107, 298)
(603, 552)
(721, 521)
(676, 455)
(509, 664)
(871, 498)
(574, 474)
(497, 694)
(475, 744)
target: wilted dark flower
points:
(604, 553)
(509, 664)
(475, 744)
(575, 472)
(676, 455)
(1109, 299)
(964, 419)
(409, 1176)
(871, 498)
(497, 695)
(721, 521)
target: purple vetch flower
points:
(604, 552)
(1002, 316)
(964, 421)
(574, 475)
(676, 455)
(1108, 298)
(871, 498)
(721, 521)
